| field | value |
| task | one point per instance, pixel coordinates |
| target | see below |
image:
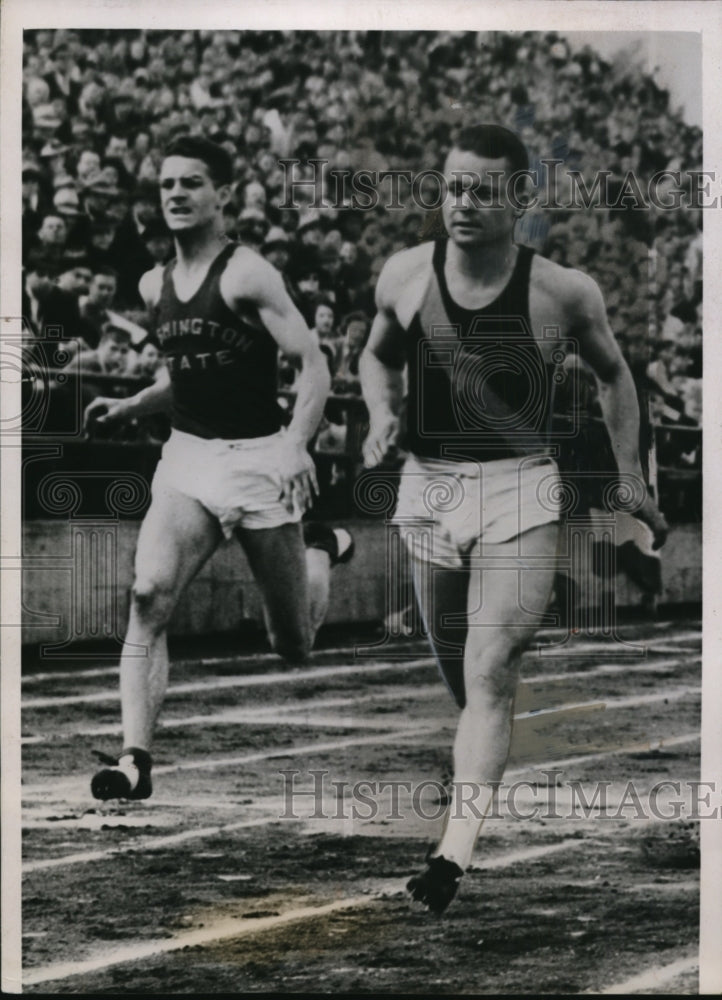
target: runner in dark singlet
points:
(478, 324)
(221, 315)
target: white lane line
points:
(677, 649)
(609, 669)
(254, 680)
(300, 714)
(570, 649)
(146, 844)
(652, 979)
(246, 680)
(240, 927)
(84, 857)
(231, 927)
(580, 647)
(644, 746)
(526, 854)
(611, 704)
(670, 694)
(67, 787)
(200, 662)
(263, 714)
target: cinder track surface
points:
(230, 879)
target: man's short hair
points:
(323, 300)
(197, 147)
(495, 142)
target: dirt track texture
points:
(310, 904)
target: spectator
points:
(94, 307)
(149, 360)
(158, 242)
(668, 405)
(252, 228)
(63, 80)
(88, 166)
(100, 242)
(355, 328)
(116, 103)
(52, 235)
(129, 245)
(52, 155)
(323, 329)
(307, 286)
(48, 311)
(98, 197)
(110, 357)
(74, 275)
(67, 205)
(310, 231)
(276, 248)
(33, 202)
(333, 281)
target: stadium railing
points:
(54, 400)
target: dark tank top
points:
(222, 366)
(479, 388)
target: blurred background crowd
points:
(100, 106)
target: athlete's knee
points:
(152, 603)
(491, 669)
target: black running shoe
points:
(126, 776)
(337, 542)
(436, 886)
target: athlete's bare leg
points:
(506, 593)
(177, 536)
(294, 585)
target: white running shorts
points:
(446, 507)
(239, 482)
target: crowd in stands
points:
(99, 107)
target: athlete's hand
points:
(650, 514)
(381, 444)
(299, 484)
(104, 411)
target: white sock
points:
(127, 765)
(463, 825)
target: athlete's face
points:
(478, 210)
(188, 196)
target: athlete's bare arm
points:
(381, 366)
(157, 397)
(249, 277)
(587, 322)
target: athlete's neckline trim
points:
(524, 253)
(172, 265)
